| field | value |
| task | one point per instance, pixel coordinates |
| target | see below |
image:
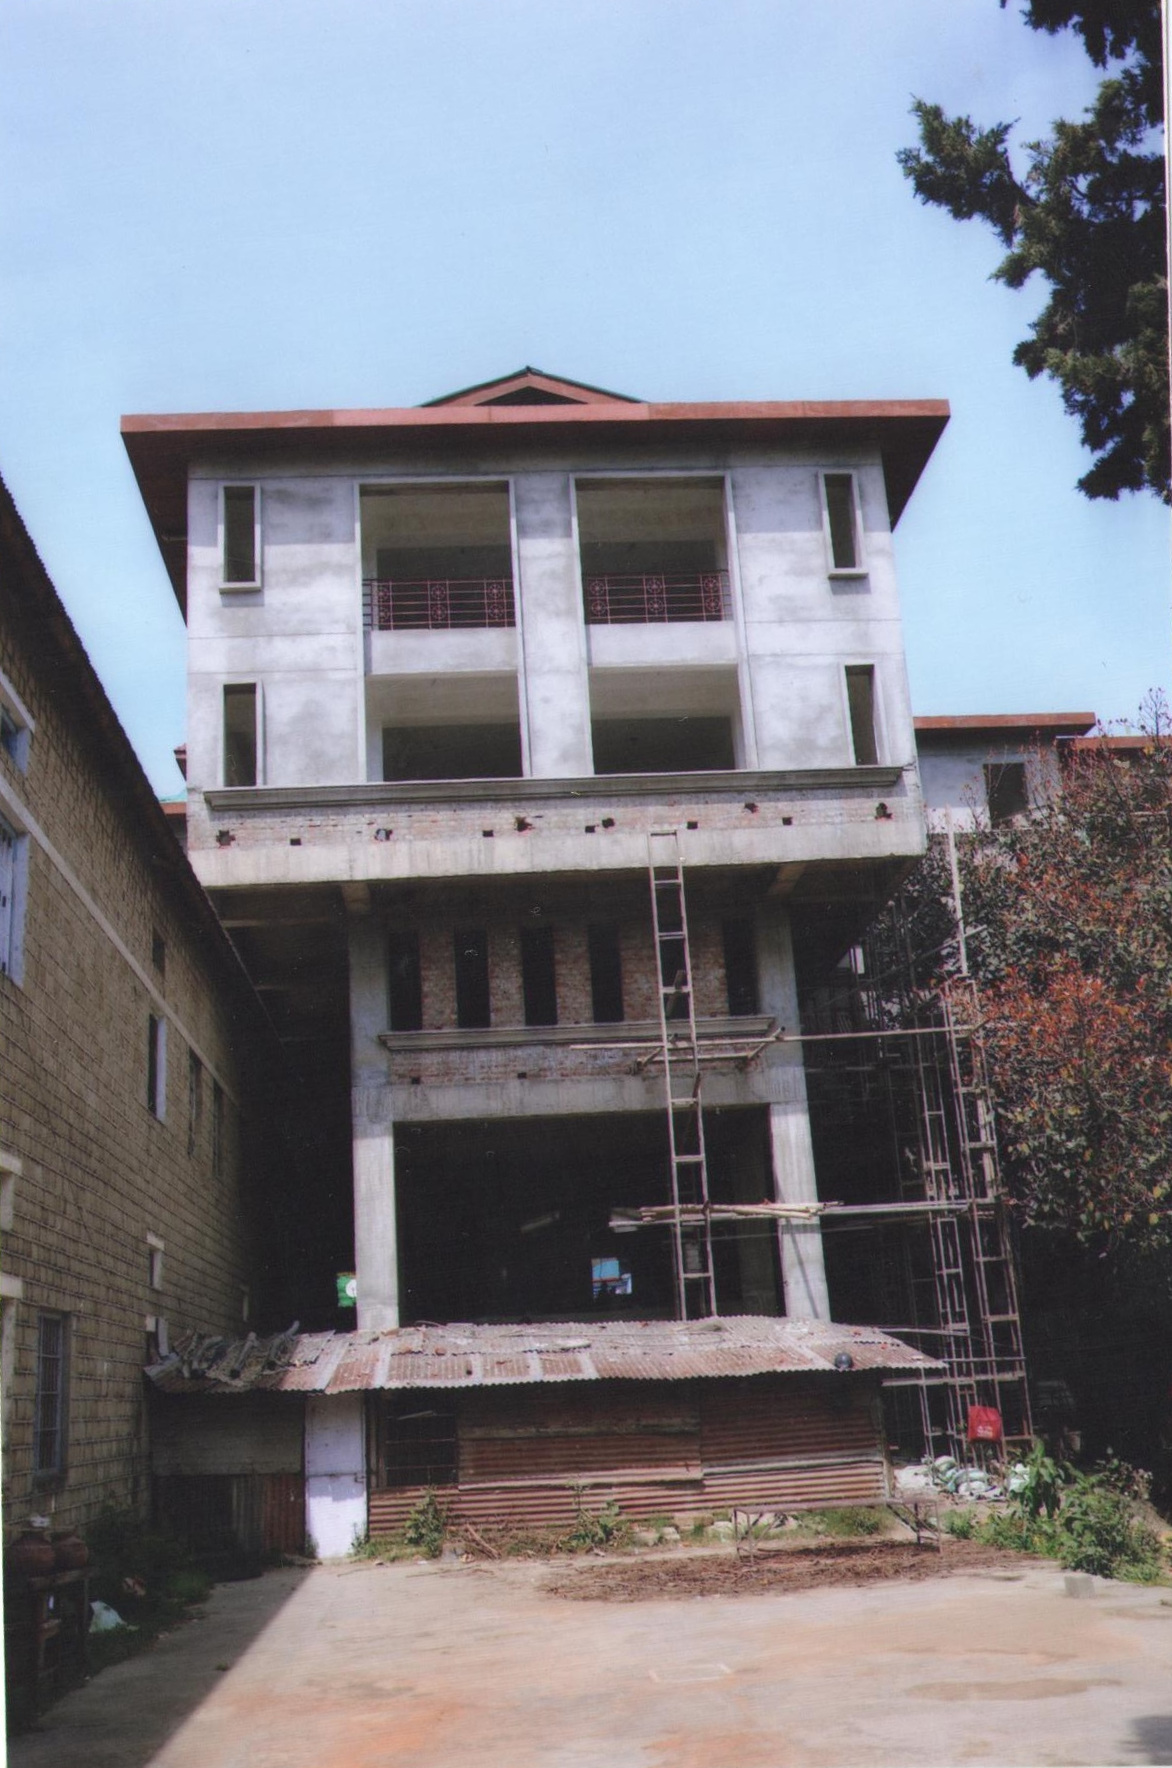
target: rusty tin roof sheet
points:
(488, 1356)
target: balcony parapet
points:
(619, 1035)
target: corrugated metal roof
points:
(486, 1356)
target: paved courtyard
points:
(434, 1666)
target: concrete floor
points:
(415, 1666)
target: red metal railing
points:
(642, 600)
(437, 604)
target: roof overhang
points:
(1027, 726)
(164, 448)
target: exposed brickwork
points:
(100, 1172)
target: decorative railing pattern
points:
(644, 600)
(437, 604)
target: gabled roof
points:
(530, 386)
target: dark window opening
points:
(606, 972)
(217, 1129)
(155, 1078)
(194, 1100)
(405, 980)
(49, 1398)
(473, 1006)
(158, 952)
(860, 692)
(840, 514)
(10, 736)
(418, 1446)
(662, 745)
(240, 745)
(240, 534)
(452, 752)
(1005, 791)
(538, 976)
(423, 564)
(740, 967)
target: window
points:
(49, 1397)
(740, 967)
(159, 952)
(16, 724)
(840, 514)
(417, 1445)
(606, 972)
(472, 995)
(241, 537)
(13, 870)
(1005, 791)
(405, 980)
(154, 1261)
(538, 976)
(156, 1066)
(194, 1101)
(240, 734)
(217, 1129)
(860, 693)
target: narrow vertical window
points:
(8, 921)
(740, 967)
(472, 994)
(49, 1397)
(842, 526)
(217, 1129)
(159, 952)
(860, 693)
(405, 980)
(240, 548)
(606, 972)
(156, 1089)
(240, 734)
(538, 976)
(194, 1101)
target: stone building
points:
(543, 746)
(129, 1130)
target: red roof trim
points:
(1049, 723)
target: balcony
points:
(443, 604)
(635, 599)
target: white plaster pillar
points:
(803, 1267)
(554, 678)
(335, 1472)
(376, 1259)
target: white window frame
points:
(22, 718)
(833, 570)
(154, 1261)
(14, 889)
(255, 582)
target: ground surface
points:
(484, 1666)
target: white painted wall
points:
(553, 632)
(335, 1472)
(953, 778)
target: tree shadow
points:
(1153, 1738)
(124, 1716)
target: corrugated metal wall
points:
(228, 1471)
(251, 1512)
(676, 1449)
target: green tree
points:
(1086, 211)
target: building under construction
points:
(550, 758)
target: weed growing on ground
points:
(606, 1527)
(427, 1526)
(960, 1524)
(1086, 1521)
(845, 1523)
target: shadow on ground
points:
(123, 1717)
(1153, 1738)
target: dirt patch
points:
(794, 1568)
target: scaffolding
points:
(910, 1062)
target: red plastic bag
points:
(984, 1424)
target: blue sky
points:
(251, 204)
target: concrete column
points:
(553, 633)
(803, 1268)
(376, 1260)
(335, 1472)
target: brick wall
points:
(99, 1171)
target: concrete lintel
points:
(225, 800)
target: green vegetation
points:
(596, 1529)
(1086, 1521)
(846, 1523)
(960, 1524)
(150, 1579)
(427, 1526)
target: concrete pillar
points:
(335, 1472)
(376, 1259)
(553, 681)
(803, 1268)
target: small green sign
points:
(347, 1289)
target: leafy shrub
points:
(845, 1523)
(1086, 1521)
(607, 1527)
(960, 1524)
(426, 1526)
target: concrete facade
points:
(763, 714)
(127, 1112)
(961, 759)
